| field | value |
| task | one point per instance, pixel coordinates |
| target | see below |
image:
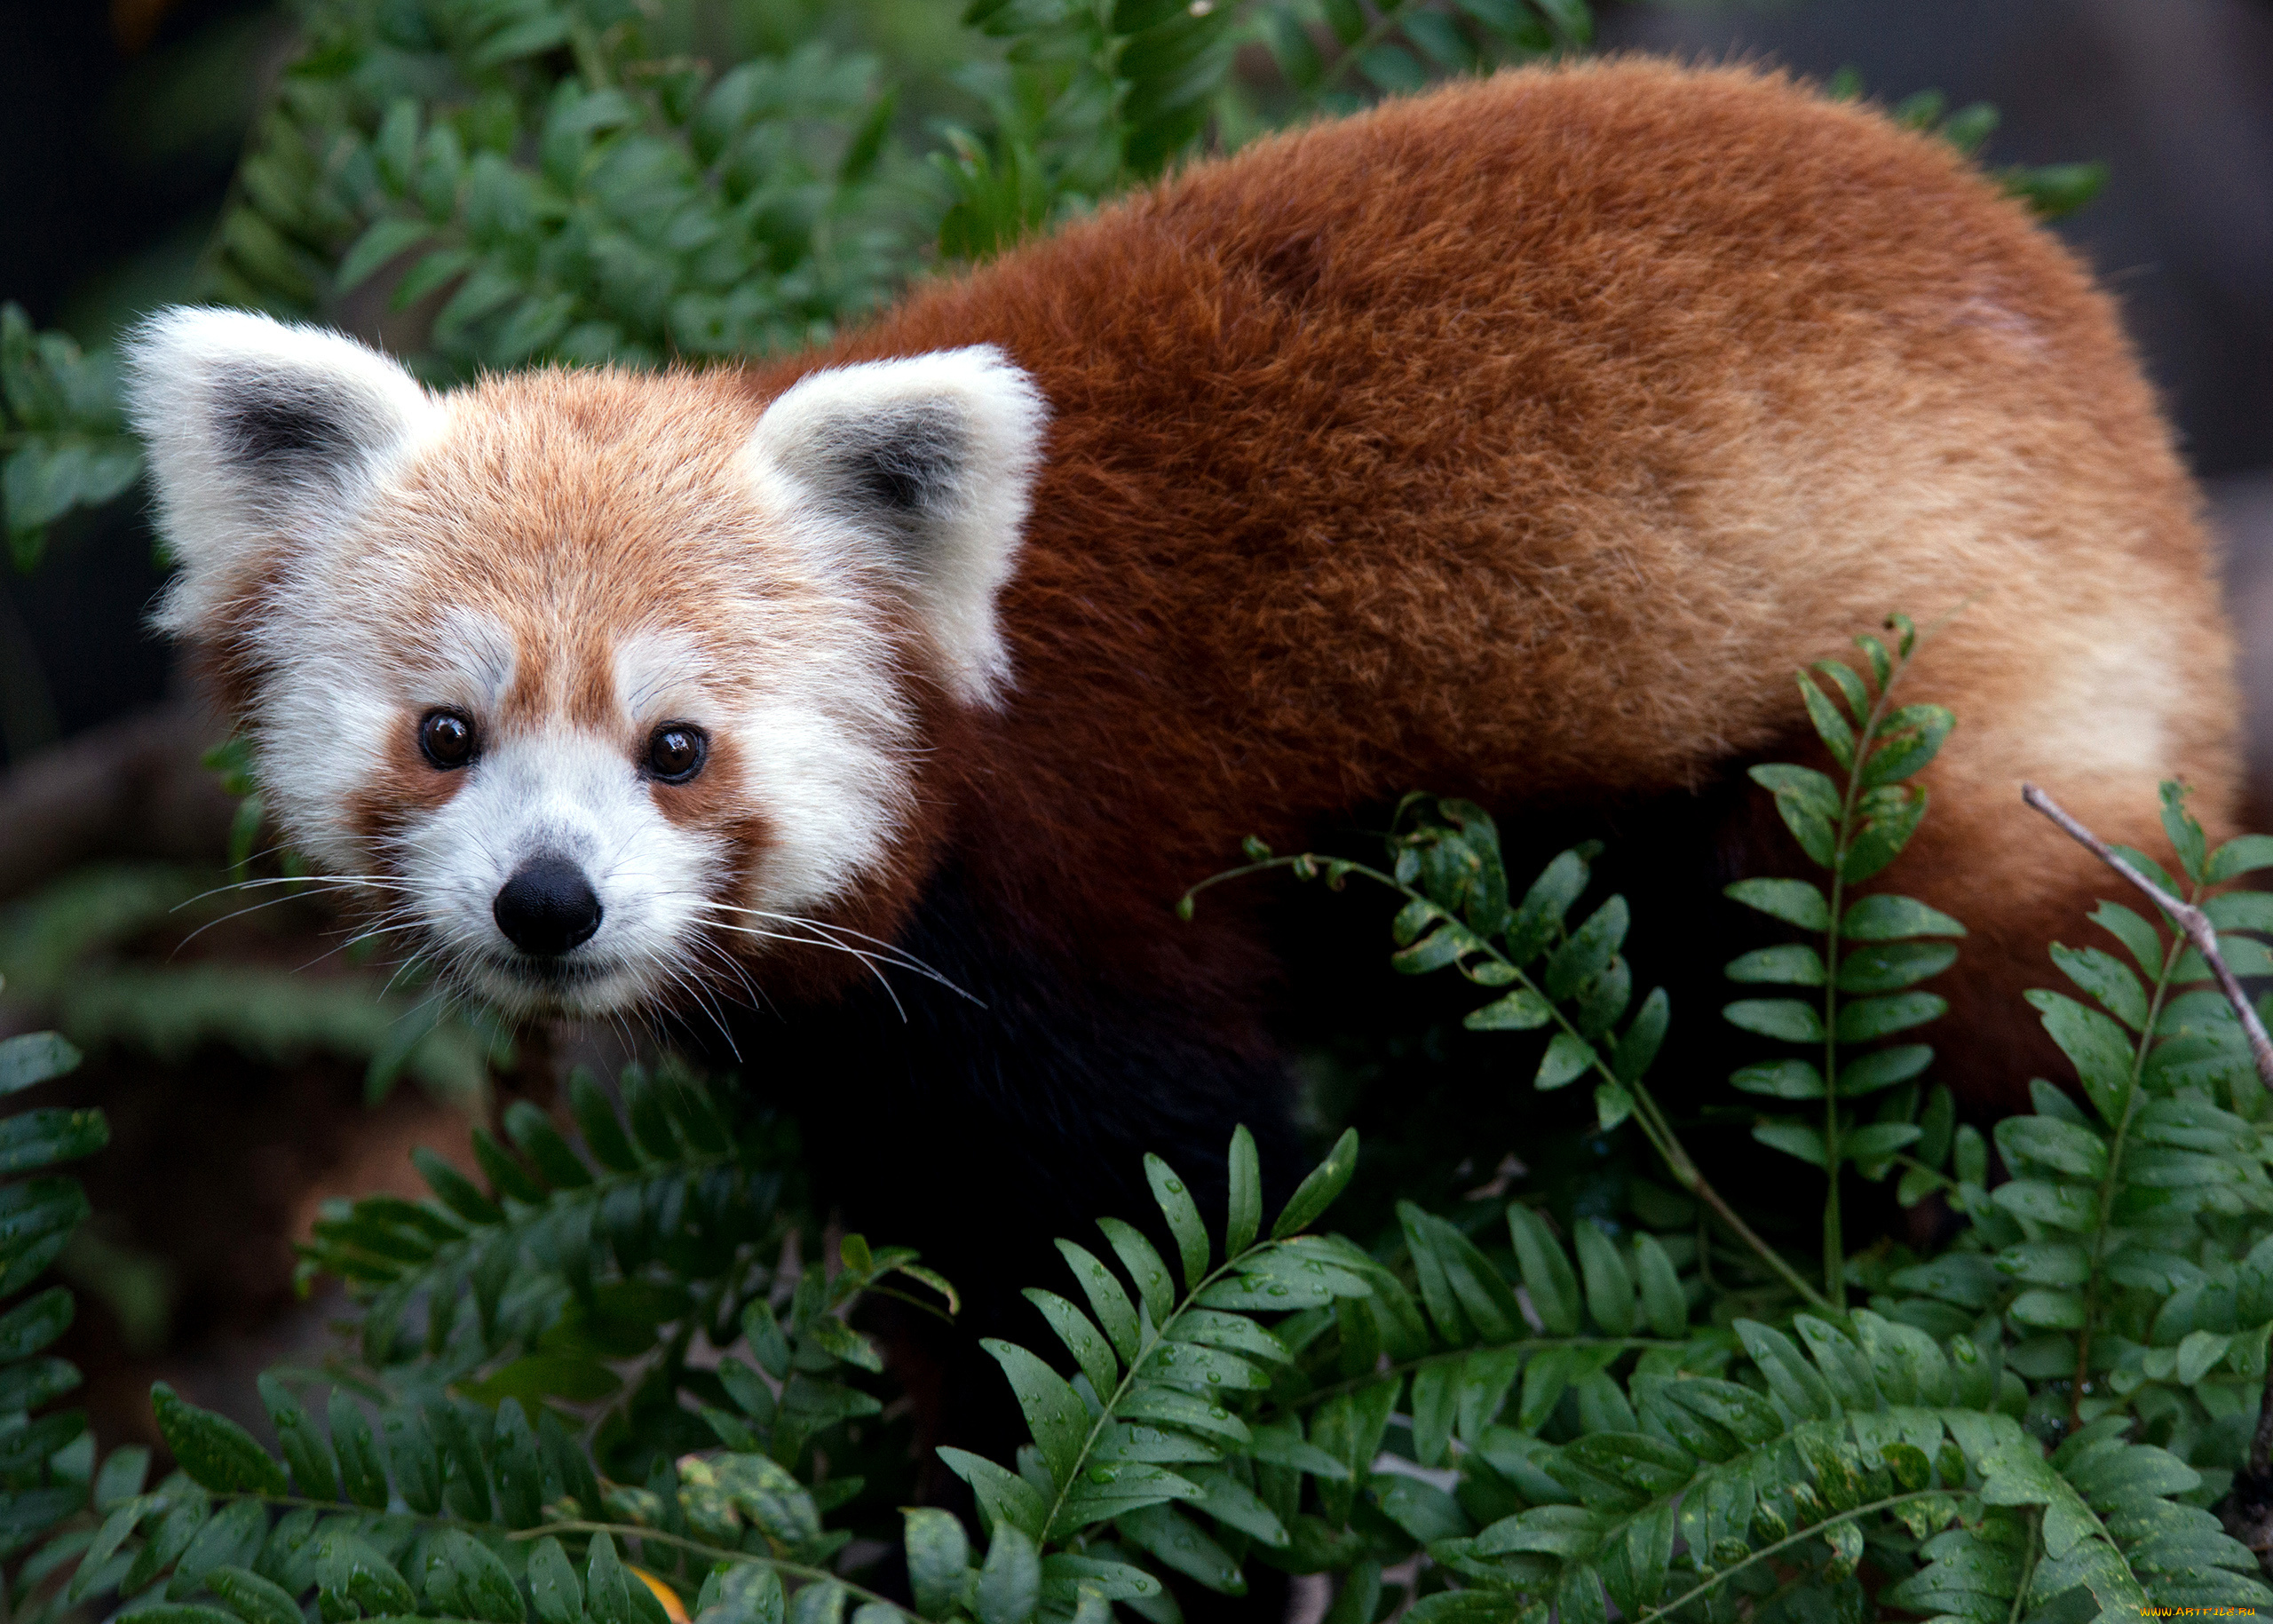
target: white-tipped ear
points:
(260, 432)
(930, 461)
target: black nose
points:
(548, 906)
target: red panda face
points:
(596, 685)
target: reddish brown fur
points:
(1519, 439)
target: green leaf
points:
(1589, 952)
(1608, 1287)
(1786, 1018)
(938, 1556)
(387, 237)
(1793, 964)
(1888, 968)
(553, 1585)
(2139, 939)
(1183, 1216)
(1912, 737)
(1082, 1339)
(2095, 1045)
(1054, 1414)
(454, 1189)
(1110, 1489)
(2060, 1205)
(2056, 1146)
(1066, 1578)
(1794, 1139)
(1885, 918)
(1316, 1192)
(1838, 735)
(1862, 1019)
(1547, 1277)
(216, 1452)
(2108, 979)
(1882, 1068)
(1663, 1301)
(767, 1344)
(355, 1577)
(2243, 854)
(1107, 1298)
(1891, 816)
(1155, 1289)
(1795, 902)
(1638, 1045)
(534, 1132)
(304, 1449)
(1244, 1216)
(2184, 832)
(34, 1058)
(1010, 1580)
(1519, 1011)
(1781, 1079)
(822, 1601)
(361, 1479)
(1170, 1536)
(466, 1580)
(1841, 676)
(1568, 1057)
(1877, 1141)
(607, 1588)
(35, 1322)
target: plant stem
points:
(2028, 1568)
(1104, 1417)
(1834, 1242)
(1800, 1536)
(2190, 918)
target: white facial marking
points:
(561, 792)
(660, 675)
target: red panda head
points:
(599, 683)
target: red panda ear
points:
(923, 468)
(261, 436)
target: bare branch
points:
(2247, 1511)
(2191, 920)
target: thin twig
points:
(2204, 937)
(2196, 924)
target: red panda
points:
(1515, 440)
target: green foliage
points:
(590, 180)
(69, 949)
(1874, 951)
(47, 1460)
(2051, 190)
(63, 439)
(1090, 99)
(616, 1359)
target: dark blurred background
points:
(120, 124)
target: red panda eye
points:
(447, 738)
(675, 753)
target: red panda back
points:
(1519, 439)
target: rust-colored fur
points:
(1518, 441)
